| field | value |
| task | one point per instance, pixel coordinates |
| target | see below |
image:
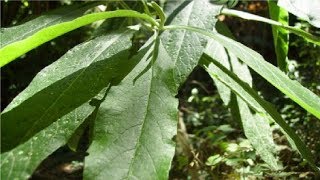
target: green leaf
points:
(137, 121)
(291, 88)
(185, 47)
(295, 30)
(295, 91)
(217, 51)
(18, 48)
(244, 72)
(66, 84)
(20, 162)
(280, 36)
(262, 107)
(67, 13)
(256, 129)
(88, 124)
(214, 160)
(307, 10)
(169, 8)
(75, 138)
(78, 133)
(135, 125)
(255, 126)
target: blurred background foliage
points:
(210, 144)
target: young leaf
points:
(20, 162)
(64, 85)
(137, 121)
(280, 36)
(262, 107)
(18, 48)
(307, 10)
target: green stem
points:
(146, 9)
(160, 13)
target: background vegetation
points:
(209, 143)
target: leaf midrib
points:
(142, 127)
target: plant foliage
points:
(126, 97)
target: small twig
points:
(201, 85)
